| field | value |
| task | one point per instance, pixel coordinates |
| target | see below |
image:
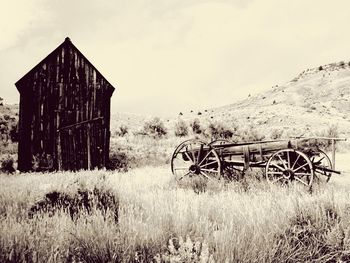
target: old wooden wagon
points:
(64, 117)
(297, 159)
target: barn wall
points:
(64, 89)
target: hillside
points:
(313, 101)
(308, 104)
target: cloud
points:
(170, 56)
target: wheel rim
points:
(195, 158)
(289, 165)
(321, 159)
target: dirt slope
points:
(313, 101)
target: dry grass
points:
(160, 221)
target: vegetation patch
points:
(313, 237)
(7, 165)
(82, 201)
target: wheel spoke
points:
(204, 158)
(288, 159)
(189, 157)
(320, 159)
(305, 164)
(206, 164)
(209, 170)
(279, 173)
(184, 175)
(278, 179)
(285, 167)
(205, 175)
(301, 181)
(279, 167)
(199, 153)
(296, 160)
(181, 168)
(193, 155)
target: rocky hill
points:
(312, 102)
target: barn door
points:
(80, 146)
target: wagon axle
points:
(288, 174)
(195, 169)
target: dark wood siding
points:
(65, 112)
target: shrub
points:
(217, 130)
(122, 131)
(196, 127)
(7, 165)
(312, 237)
(155, 128)
(181, 129)
(82, 201)
(250, 134)
(320, 68)
(276, 134)
(119, 161)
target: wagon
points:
(283, 161)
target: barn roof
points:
(67, 41)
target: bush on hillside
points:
(196, 127)
(181, 129)
(217, 130)
(250, 134)
(122, 131)
(154, 128)
(276, 134)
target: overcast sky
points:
(167, 56)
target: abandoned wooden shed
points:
(64, 118)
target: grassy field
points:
(161, 221)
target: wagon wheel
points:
(289, 165)
(320, 160)
(195, 158)
(219, 142)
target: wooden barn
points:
(64, 118)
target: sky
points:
(170, 56)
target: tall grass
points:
(160, 221)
